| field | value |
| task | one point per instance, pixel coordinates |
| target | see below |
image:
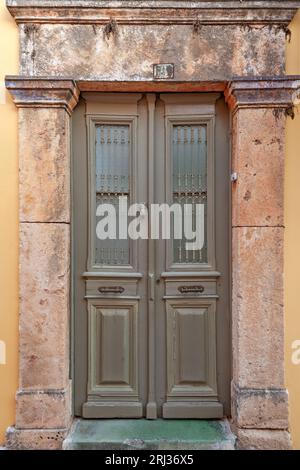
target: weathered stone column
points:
(259, 398)
(44, 398)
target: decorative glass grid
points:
(189, 160)
(112, 181)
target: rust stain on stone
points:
(247, 195)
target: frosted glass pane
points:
(112, 180)
(112, 158)
(189, 160)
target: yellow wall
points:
(9, 231)
(292, 243)
(9, 223)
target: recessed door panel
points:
(113, 336)
(191, 352)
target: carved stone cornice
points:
(263, 92)
(252, 13)
(256, 92)
(28, 92)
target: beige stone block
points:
(266, 409)
(43, 410)
(35, 439)
(44, 160)
(263, 439)
(44, 305)
(258, 159)
(257, 307)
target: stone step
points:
(142, 434)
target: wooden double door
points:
(150, 316)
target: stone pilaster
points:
(259, 398)
(44, 397)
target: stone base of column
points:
(260, 408)
(43, 419)
(260, 418)
(263, 439)
(35, 439)
(43, 409)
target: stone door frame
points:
(259, 107)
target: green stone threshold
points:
(130, 434)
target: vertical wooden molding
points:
(151, 409)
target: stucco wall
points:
(9, 223)
(9, 227)
(292, 242)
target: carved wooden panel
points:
(191, 349)
(113, 349)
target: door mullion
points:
(151, 409)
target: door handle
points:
(151, 286)
(111, 290)
(191, 289)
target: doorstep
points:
(143, 434)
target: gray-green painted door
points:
(151, 318)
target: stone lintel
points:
(255, 13)
(152, 86)
(258, 92)
(29, 92)
(263, 92)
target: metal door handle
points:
(111, 290)
(190, 289)
(151, 286)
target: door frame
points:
(257, 107)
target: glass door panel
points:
(189, 161)
(112, 181)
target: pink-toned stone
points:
(48, 410)
(263, 439)
(44, 305)
(260, 409)
(214, 52)
(44, 160)
(258, 159)
(35, 439)
(257, 307)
